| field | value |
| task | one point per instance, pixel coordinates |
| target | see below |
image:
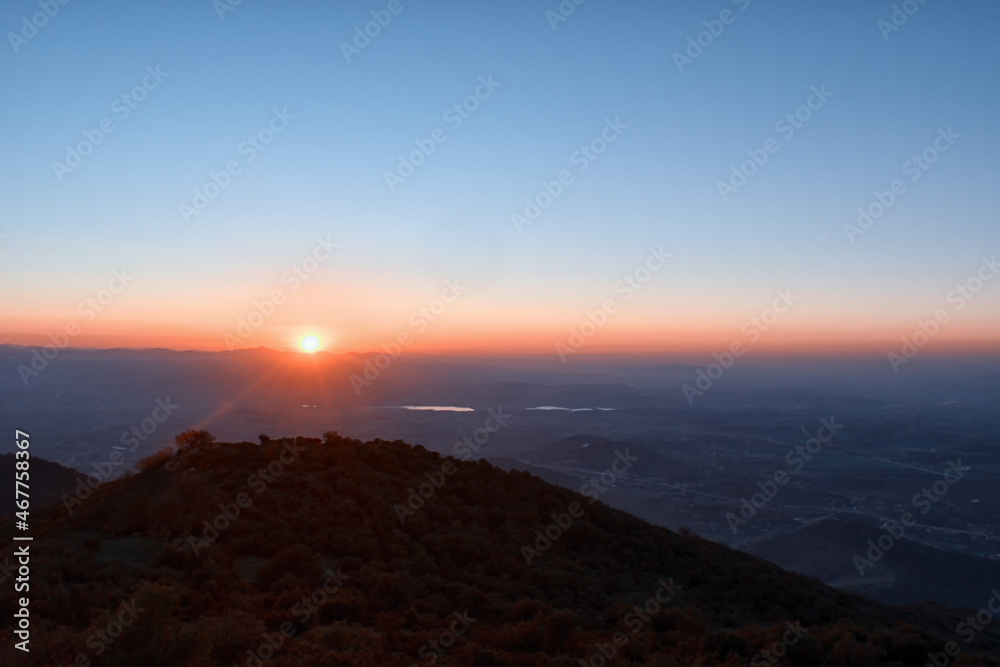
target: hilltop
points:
(303, 551)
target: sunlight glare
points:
(310, 343)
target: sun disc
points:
(309, 343)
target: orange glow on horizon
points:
(793, 340)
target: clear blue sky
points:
(323, 175)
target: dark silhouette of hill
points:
(47, 482)
(325, 553)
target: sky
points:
(501, 177)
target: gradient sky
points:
(655, 186)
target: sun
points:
(310, 343)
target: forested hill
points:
(298, 552)
(47, 482)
